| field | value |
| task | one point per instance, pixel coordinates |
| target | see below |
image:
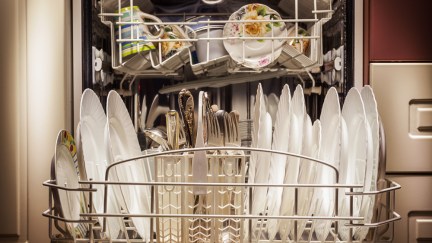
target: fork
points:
(214, 135)
(235, 134)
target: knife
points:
(199, 163)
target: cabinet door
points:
(400, 30)
(10, 202)
(404, 96)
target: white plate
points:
(278, 162)
(310, 148)
(315, 151)
(123, 144)
(262, 170)
(297, 116)
(368, 201)
(272, 105)
(92, 139)
(66, 174)
(330, 151)
(372, 117)
(257, 52)
(262, 165)
(353, 163)
(259, 108)
(261, 138)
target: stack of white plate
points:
(102, 141)
(346, 140)
(91, 131)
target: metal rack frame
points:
(231, 69)
(375, 235)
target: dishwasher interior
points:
(169, 71)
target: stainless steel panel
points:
(404, 93)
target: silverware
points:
(199, 163)
(200, 227)
(182, 138)
(157, 136)
(173, 129)
(155, 110)
(190, 119)
(143, 114)
(186, 105)
(235, 120)
(222, 119)
(214, 136)
(151, 114)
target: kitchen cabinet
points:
(400, 30)
(398, 61)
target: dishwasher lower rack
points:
(224, 213)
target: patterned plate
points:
(256, 52)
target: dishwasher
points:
(221, 121)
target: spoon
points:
(157, 136)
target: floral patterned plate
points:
(257, 53)
(64, 170)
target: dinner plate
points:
(377, 180)
(314, 152)
(353, 167)
(297, 116)
(123, 144)
(66, 174)
(259, 109)
(372, 117)
(254, 53)
(323, 198)
(281, 136)
(272, 104)
(92, 146)
(258, 134)
(262, 168)
(310, 148)
(368, 201)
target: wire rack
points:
(223, 213)
(151, 63)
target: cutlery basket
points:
(223, 213)
(180, 200)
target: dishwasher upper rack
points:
(149, 63)
(381, 229)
